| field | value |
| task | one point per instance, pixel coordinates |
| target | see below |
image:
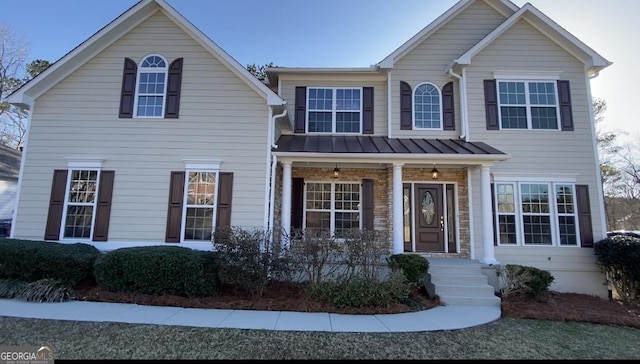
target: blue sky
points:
(341, 33)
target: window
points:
(332, 206)
(427, 107)
(334, 110)
(200, 201)
(528, 105)
(531, 213)
(151, 88)
(80, 203)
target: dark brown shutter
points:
(493, 214)
(174, 84)
(301, 109)
(128, 88)
(225, 198)
(406, 101)
(367, 110)
(367, 204)
(491, 104)
(584, 216)
(448, 111)
(174, 213)
(297, 202)
(56, 204)
(103, 208)
(564, 96)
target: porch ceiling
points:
(380, 146)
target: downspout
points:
(463, 102)
(603, 217)
(389, 103)
(271, 167)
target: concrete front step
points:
(470, 300)
(478, 290)
(455, 279)
(460, 282)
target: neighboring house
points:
(473, 140)
(9, 171)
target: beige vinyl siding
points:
(379, 97)
(430, 59)
(221, 118)
(539, 152)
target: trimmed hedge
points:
(619, 258)
(30, 261)
(413, 266)
(159, 270)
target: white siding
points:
(221, 118)
(379, 97)
(542, 152)
(8, 189)
(430, 59)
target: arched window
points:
(152, 87)
(427, 107)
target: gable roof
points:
(113, 31)
(9, 162)
(505, 7)
(594, 61)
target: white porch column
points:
(488, 252)
(286, 203)
(398, 213)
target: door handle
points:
(441, 223)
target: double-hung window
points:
(80, 203)
(200, 204)
(334, 110)
(536, 213)
(528, 105)
(334, 207)
(151, 87)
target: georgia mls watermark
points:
(26, 355)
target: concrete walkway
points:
(449, 317)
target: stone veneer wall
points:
(383, 190)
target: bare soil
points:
(281, 296)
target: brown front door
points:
(429, 217)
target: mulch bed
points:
(279, 296)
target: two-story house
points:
(473, 140)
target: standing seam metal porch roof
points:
(380, 144)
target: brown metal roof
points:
(301, 143)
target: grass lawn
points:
(507, 338)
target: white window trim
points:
(413, 106)
(553, 212)
(164, 93)
(84, 162)
(333, 110)
(333, 210)
(528, 104)
(63, 221)
(183, 222)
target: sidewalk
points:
(450, 317)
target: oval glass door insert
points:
(428, 208)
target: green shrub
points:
(159, 270)
(619, 259)
(9, 288)
(362, 292)
(413, 266)
(45, 290)
(246, 259)
(30, 261)
(528, 281)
